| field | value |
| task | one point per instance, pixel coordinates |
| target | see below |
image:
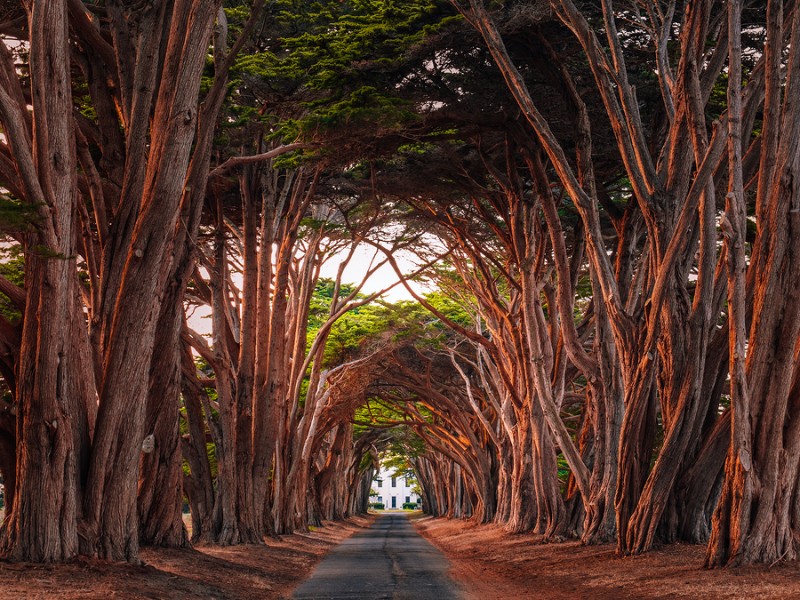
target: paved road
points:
(388, 560)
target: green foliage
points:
(364, 104)
(16, 216)
(322, 299)
(211, 451)
(327, 64)
(563, 469)
(375, 413)
(12, 267)
(43, 251)
(352, 333)
(404, 321)
(450, 308)
(397, 461)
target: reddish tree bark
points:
(53, 386)
(755, 520)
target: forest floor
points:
(487, 561)
(492, 564)
(264, 572)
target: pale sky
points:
(385, 276)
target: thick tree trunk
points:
(505, 468)
(699, 489)
(111, 515)
(523, 506)
(53, 397)
(53, 430)
(605, 410)
(161, 469)
(636, 441)
(550, 512)
(754, 519)
(232, 516)
(682, 434)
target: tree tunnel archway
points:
(613, 199)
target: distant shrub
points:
(378, 505)
(410, 506)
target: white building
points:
(394, 490)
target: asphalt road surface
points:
(388, 560)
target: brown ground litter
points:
(266, 572)
(492, 564)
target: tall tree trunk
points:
(111, 515)
(53, 386)
(161, 469)
(524, 507)
(635, 446)
(53, 429)
(754, 519)
(199, 485)
(605, 398)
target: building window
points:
(408, 499)
(394, 501)
(380, 499)
(380, 482)
(394, 481)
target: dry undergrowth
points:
(492, 564)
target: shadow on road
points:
(388, 560)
